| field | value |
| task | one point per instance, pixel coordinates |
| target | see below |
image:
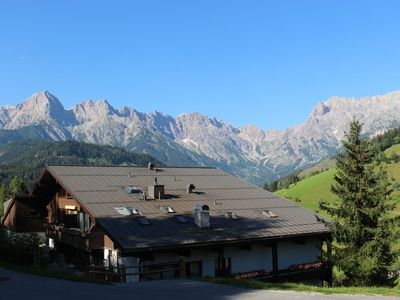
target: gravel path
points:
(15, 285)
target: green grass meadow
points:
(256, 284)
(313, 188)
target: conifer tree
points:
(363, 224)
(3, 195)
(17, 186)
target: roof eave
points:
(321, 234)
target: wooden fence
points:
(144, 271)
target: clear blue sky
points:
(248, 62)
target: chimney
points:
(190, 187)
(202, 216)
(156, 191)
(150, 166)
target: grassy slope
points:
(323, 165)
(314, 188)
(59, 274)
(311, 190)
(394, 149)
(256, 284)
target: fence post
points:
(182, 267)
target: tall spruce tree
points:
(363, 224)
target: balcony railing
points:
(71, 236)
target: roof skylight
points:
(131, 189)
(269, 214)
(127, 211)
(232, 215)
(134, 211)
(122, 211)
(144, 221)
(181, 219)
(167, 209)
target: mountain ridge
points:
(195, 139)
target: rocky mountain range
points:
(195, 139)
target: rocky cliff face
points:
(195, 139)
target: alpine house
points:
(135, 223)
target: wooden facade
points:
(24, 215)
(70, 227)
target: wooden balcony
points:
(69, 236)
(76, 238)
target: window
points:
(133, 211)
(194, 269)
(181, 219)
(127, 211)
(144, 221)
(130, 189)
(71, 212)
(232, 215)
(269, 214)
(87, 222)
(84, 221)
(167, 209)
(122, 211)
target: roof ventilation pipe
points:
(190, 187)
(202, 216)
(150, 166)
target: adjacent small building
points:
(136, 223)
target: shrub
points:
(338, 276)
(18, 248)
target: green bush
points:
(18, 248)
(338, 276)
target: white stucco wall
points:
(206, 256)
(290, 253)
(258, 258)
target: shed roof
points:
(101, 189)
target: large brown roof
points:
(100, 190)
